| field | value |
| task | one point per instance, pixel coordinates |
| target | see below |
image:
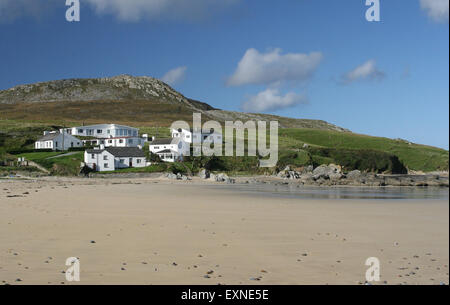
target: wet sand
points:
(163, 232)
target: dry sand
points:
(162, 232)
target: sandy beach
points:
(147, 231)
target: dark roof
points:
(167, 141)
(53, 135)
(49, 137)
(124, 152)
(94, 151)
(166, 151)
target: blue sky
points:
(316, 59)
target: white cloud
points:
(273, 67)
(174, 76)
(436, 9)
(271, 99)
(366, 71)
(135, 10)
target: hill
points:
(151, 105)
(137, 101)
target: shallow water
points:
(311, 192)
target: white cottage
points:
(170, 150)
(189, 136)
(56, 140)
(105, 131)
(113, 158)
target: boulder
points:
(354, 175)
(335, 176)
(171, 176)
(308, 169)
(204, 174)
(325, 171)
(222, 177)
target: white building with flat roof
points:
(116, 142)
(104, 131)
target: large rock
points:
(331, 171)
(204, 174)
(222, 178)
(354, 175)
(171, 176)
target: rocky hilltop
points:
(135, 96)
(122, 87)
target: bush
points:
(26, 151)
(363, 160)
(80, 148)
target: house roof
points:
(94, 151)
(54, 135)
(124, 152)
(103, 126)
(167, 151)
(167, 141)
(49, 136)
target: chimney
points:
(46, 132)
(102, 146)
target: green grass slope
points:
(414, 156)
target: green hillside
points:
(414, 156)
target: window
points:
(120, 141)
(130, 141)
(80, 130)
(108, 131)
(135, 133)
(105, 157)
(93, 156)
(156, 147)
(138, 161)
(122, 161)
(105, 165)
(99, 131)
(109, 141)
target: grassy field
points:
(322, 147)
(413, 156)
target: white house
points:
(113, 158)
(116, 142)
(104, 131)
(189, 136)
(170, 150)
(56, 140)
